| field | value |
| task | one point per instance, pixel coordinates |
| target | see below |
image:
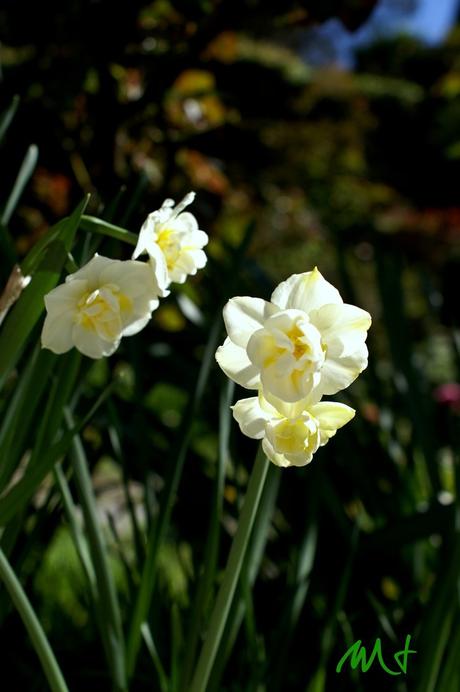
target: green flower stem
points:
(231, 575)
(33, 626)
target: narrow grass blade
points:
(115, 441)
(158, 530)
(449, 678)
(151, 648)
(7, 116)
(413, 387)
(21, 409)
(76, 532)
(13, 502)
(61, 389)
(293, 607)
(105, 582)
(93, 225)
(439, 617)
(23, 177)
(33, 626)
(176, 646)
(207, 578)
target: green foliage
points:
(294, 166)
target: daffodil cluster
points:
(108, 299)
(302, 344)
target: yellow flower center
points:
(295, 436)
(297, 338)
(289, 353)
(170, 246)
(100, 310)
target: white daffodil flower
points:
(99, 304)
(290, 433)
(306, 339)
(173, 241)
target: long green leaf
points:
(449, 678)
(93, 225)
(157, 533)
(158, 530)
(26, 313)
(33, 626)
(7, 116)
(206, 582)
(436, 627)
(21, 411)
(18, 496)
(111, 622)
(23, 177)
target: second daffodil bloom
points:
(99, 304)
(290, 433)
(173, 241)
(306, 339)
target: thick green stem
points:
(232, 574)
(33, 626)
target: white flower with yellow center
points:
(290, 433)
(306, 339)
(173, 241)
(98, 305)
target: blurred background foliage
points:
(352, 165)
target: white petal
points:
(57, 332)
(90, 344)
(343, 328)
(64, 298)
(306, 292)
(137, 325)
(250, 417)
(243, 316)
(274, 405)
(91, 270)
(137, 283)
(197, 239)
(158, 264)
(147, 243)
(184, 223)
(134, 279)
(188, 199)
(277, 459)
(198, 257)
(290, 388)
(299, 459)
(339, 373)
(331, 416)
(61, 306)
(146, 237)
(187, 264)
(235, 363)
